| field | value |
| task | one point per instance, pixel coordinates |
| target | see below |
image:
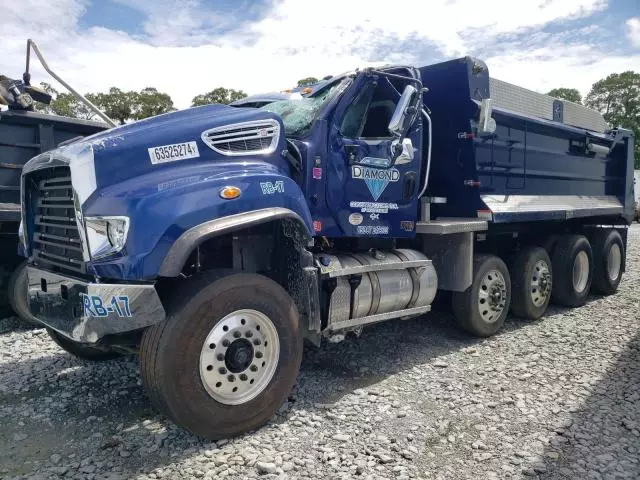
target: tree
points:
(617, 97)
(306, 82)
(149, 103)
(570, 94)
(64, 104)
(218, 95)
(117, 104)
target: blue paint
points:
(345, 154)
(166, 203)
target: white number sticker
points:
(171, 153)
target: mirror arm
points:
(31, 45)
(417, 81)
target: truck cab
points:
(214, 240)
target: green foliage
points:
(218, 95)
(117, 104)
(64, 104)
(617, 97)
(570, 94)
(306, 82)
(150, 103)
(126, 106)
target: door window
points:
(369, 115)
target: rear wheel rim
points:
(540, 283)
(239, 357)
(614, 262)
(580, 271)
(492, 296)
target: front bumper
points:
(87, 312)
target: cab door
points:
(369, 192)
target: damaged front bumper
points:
(87, 312)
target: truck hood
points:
(121, 153)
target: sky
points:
(188, 47)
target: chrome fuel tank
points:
(378, 282)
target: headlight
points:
(106, 235)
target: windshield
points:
(299, 114)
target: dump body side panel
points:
(530, 169)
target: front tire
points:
(226, 357)
(572, 263)
(17, 293)
(531, 276)
(482, 308)
(608, 255)
(80, 350)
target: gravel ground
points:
(559, 398)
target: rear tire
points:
(572, 263)
(17, 293)
(482, 308)
(608, 259)
(81, 350)
(216, 329)
(531, 276)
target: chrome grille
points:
(244, 138)
(55, 240)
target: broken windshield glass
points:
(299, 114)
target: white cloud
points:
(633, 31)
(180, 55)
(571, 66)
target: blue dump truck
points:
(214, 240)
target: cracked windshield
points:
(299, 114)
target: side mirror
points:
(405, 112)
(486, 124)
(38, 94)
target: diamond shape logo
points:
(376, 187)
(376, 179)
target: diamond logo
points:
(376, 179)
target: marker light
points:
(230, 192)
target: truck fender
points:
(184, 245)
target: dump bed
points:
(548, 159)
(23, 135)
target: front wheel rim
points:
(614, 262)
(239, 357)
(540, 283)
(492, 296)
(580, 271)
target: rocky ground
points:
(559, 398)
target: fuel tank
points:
(378, 282)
